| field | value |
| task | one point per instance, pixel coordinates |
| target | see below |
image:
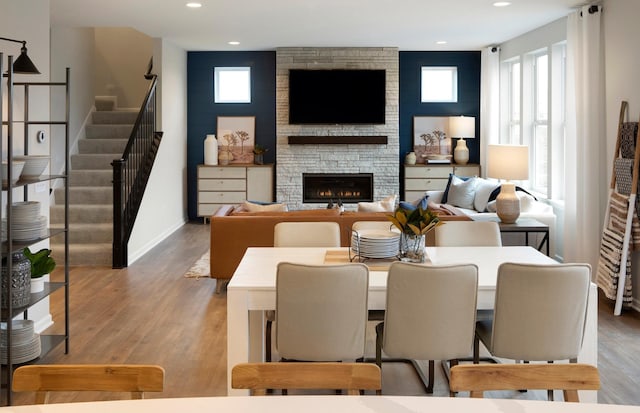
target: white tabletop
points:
(323, 404)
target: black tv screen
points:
(336, 96)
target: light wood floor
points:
(150, 313)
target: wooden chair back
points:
(477, 378)
(260, 377)
(43, 379)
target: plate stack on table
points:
(26, 222)
(25, 343)
(375, 243)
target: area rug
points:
(200, 268)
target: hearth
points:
(348, 188)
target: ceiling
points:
(265, 25)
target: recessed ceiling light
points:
(441, 42)
(194, 5)
(502, 3)
(234, 43)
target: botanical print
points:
(236, 138)
(431, 136)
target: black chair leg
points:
(379, 336)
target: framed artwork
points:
(431, 137)
(236, 139)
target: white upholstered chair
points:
(321, 311)
(430, 314)
(468, 234)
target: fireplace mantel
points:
(338, 140)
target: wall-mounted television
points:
(336, 96)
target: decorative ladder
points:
(621, 221)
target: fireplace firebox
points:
(348, 188)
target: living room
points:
(172, 182)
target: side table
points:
(524, 226)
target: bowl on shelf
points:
(16, 170)
(34, 165)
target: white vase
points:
(37, 285)
(211, 150)
(410, 159)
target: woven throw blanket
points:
(609, 267)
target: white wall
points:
(622, 59)
(29, 20)
(164, 206)
(121, 59)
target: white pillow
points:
(462, 193)
(526, 201)
(387, 204)
(484, 188)
(252, 207)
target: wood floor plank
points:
(150, 313)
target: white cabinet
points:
(233, 184)
(421, 178)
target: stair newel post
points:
(119, 242)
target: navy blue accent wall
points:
(202, 113)
(468, 64)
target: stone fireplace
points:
(350, 148)
(347, 188)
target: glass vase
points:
(412, 248)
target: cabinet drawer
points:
(222, 172)
(428, 171)
(205, 210)
(221, 197)
(222, 185)
(425, 184)
(467, 170)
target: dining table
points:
(252, 291)
(322, 404)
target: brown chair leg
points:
(267, 341)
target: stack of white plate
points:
(26, 222)
(25, 343)
(34, 165)
(375, 243)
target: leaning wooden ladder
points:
(621, 221)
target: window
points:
(439, 84)
(232, 85)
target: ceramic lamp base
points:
(461, 152)
(508, 203)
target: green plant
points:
(41, 262)
(417, 221)
(259, 149)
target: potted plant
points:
(41, 265)
(258, 154)
(413, 225)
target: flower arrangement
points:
(414, 222)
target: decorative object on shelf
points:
(41, 264)
(410, 158)
(16, 170)
(510, 162)
(23, 64)
(211, 150)
(431, 136)
(34, 165)
(236, 135)
(225, 157)
(462, 127)
(20, 281)
(25, 343)
(258, 154)
(413, 225)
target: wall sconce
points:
(23, 64)
(462, 127)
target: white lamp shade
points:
(462, 127)
(510, 162)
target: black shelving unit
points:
(48, 342)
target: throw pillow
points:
(462, 193)
(410, 206)
(445, 195)
(387, 204)
(484, 188)
(253, 207)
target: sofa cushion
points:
(462, 192)
(445, 195)
(484, 189)
(410, 206)
(253, 207)
(387, 204)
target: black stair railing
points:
(131, 172)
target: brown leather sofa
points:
(232, 233)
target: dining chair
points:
(299, 234)
(260, 377)
(321, 311)
(468, 234)
(43, 379)
(478, 378)
(430, 315)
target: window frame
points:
(217, 87)
(453, 70)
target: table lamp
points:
(508, 162)
(462, 127)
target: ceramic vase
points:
(20, 279)
(412, 248)
(211, 150)
(410, 159)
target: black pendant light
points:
(23, 65)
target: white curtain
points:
(489, 101)
(585, 146)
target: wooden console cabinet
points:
(232, 184)
(420, 178)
